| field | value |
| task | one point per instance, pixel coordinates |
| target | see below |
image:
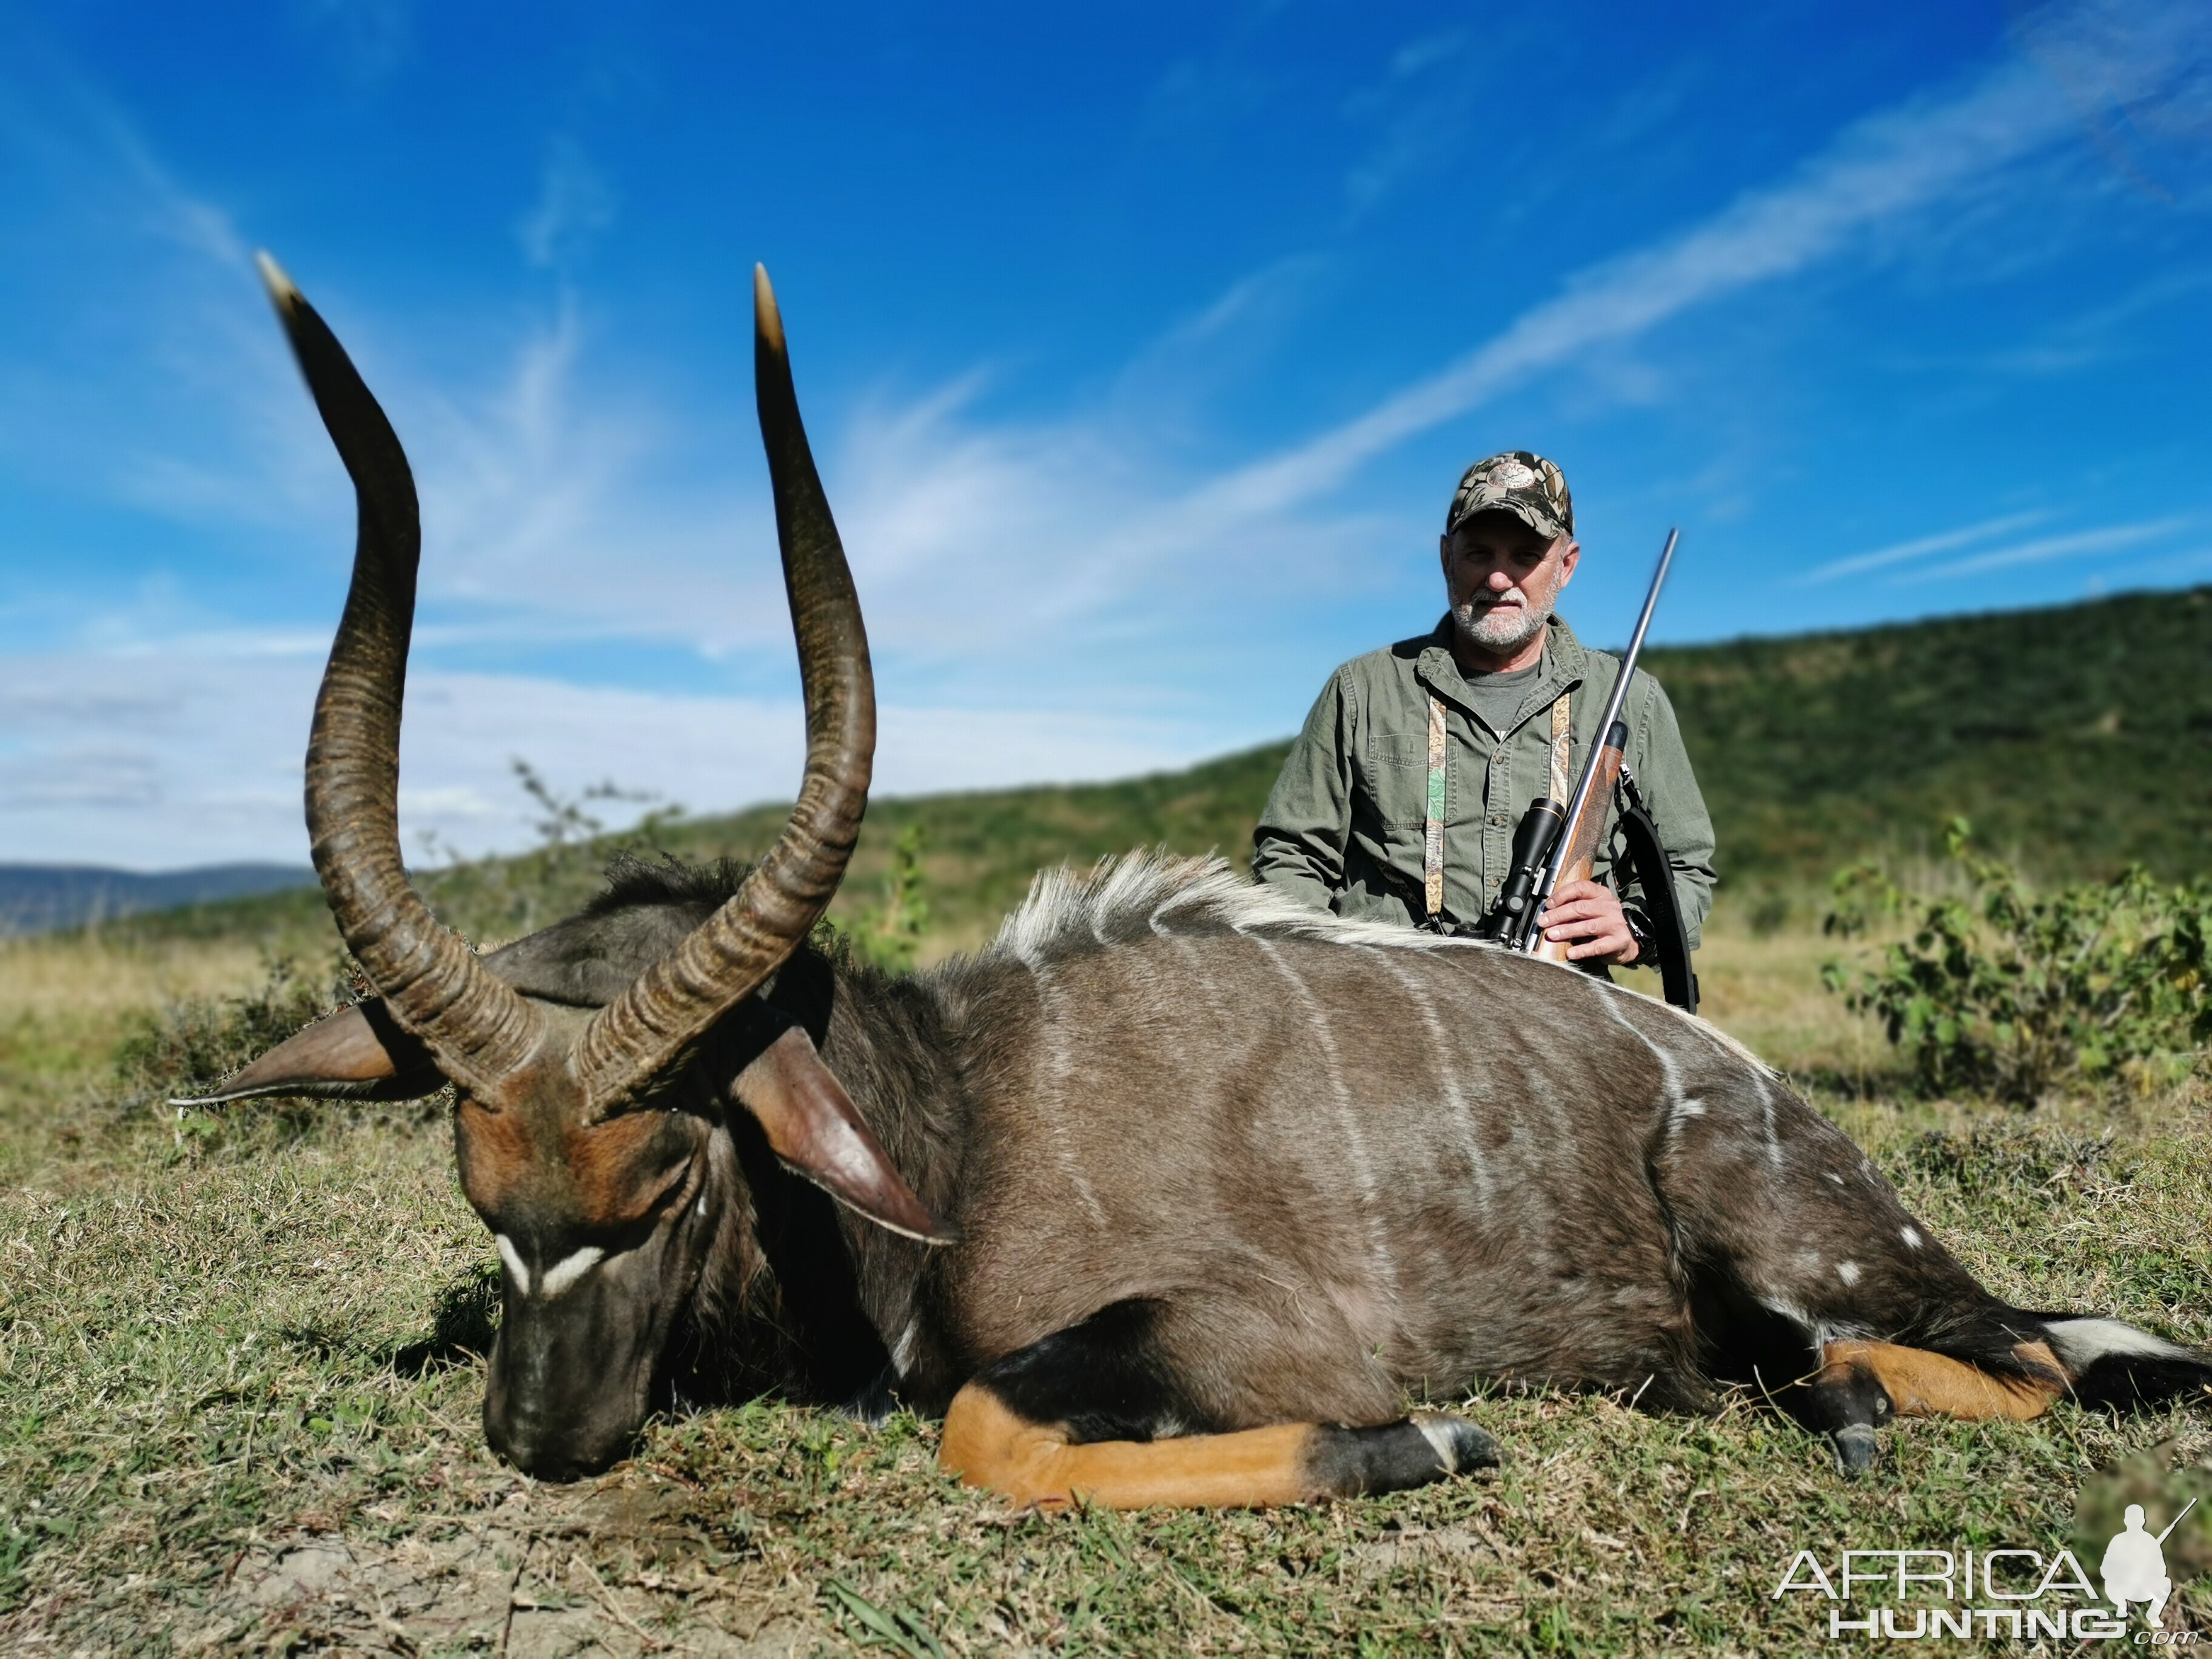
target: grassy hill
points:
(2076, 738)
(2079, 737)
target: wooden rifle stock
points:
(1575, 854)
(1582, 835)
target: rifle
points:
(2177, 1520)
(1554, 844)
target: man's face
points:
(1501, 578)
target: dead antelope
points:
(1170, 1195)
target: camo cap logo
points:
(1521, 482)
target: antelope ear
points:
(358, 1053)
(815, 1130)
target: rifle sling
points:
(1655, 878)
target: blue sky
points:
(1140, 354)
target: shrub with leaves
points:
(889, 935)
(2015, 992)
(196, 1043)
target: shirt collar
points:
(1565, 662)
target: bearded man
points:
(1399, 797)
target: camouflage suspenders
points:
(1432, 838)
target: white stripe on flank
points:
(1670, 1074)
(1347, 1114)
(513, 1257)
(570, 1269)
(1440, 1052)
(1054, 1095)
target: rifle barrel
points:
(2177, 1520)
(1580, 799)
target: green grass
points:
(239, 1388)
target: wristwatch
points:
(1641, 934)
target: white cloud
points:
(1878, 170)
(1858, 564)
(1880, 175)
(2047, 548)
(154, 761)
(549, 497)
(576, 202)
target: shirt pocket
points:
(1398, 778)
(1398, 748)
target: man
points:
(2133, 1568)
(1518, 699)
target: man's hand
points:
(1590, 914)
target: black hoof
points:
(1393, 1456)
(877, 1399)
(1854, 1448)
(1459, 1445)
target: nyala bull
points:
(1173, 1194)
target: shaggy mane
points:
(634, 880)
(1121, 899)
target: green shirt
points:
(1343, 828)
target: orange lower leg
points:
(986, 1444)
(1923, 1384)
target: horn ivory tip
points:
(281, 289)
(767, 318)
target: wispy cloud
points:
(1048, 522)
(1876, 175)
(1427, 52)
(576, 202)
(1858, 564)
(1419, 128)
(1879, 171)
(158, 761)
(986, 536)
(2048, 548)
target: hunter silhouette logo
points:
(1989, 1595)
(2134, 1567)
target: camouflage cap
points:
(1521, 482)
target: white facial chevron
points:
(566, 1271)
(561, 1276)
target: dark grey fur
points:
(1343, 1162)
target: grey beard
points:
(1496, 631)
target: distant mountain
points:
(35, 898)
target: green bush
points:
(2015, 992)
(194, 1044)
(889, 935)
